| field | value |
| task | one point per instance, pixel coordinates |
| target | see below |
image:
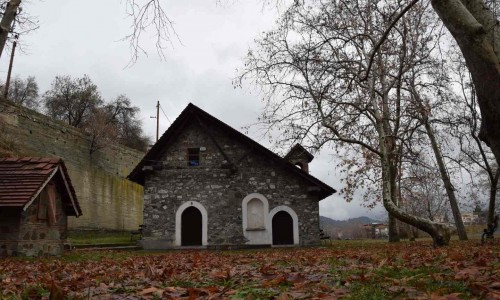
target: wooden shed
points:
(36, 198)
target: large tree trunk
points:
(493, 196)
(393, 224)
(450, 191)
(440, 233)
(393, 229)
(6, 22)
(477, 33)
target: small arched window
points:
(255, 214)
(299, 165)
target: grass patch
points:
(367, 292)
(255, 292)
(94, 237)
(88, 256)
(447, 287)
(34, 292)
(398, 273)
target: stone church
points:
(208, 185)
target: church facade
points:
(208, 185)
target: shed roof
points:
(192, 113)
(22, 180)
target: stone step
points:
(106, 247)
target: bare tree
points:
(476, 158)
(9, 14)
(24, 92)
(312, 68)
(101, 131)
(472, 23)
(422, 191)
(476, 28)
(124, 118)
(78, 102)
(148, 15)
(14, 22)
(425, 112)
(72, 100)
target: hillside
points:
(347, 229)
(327, 222)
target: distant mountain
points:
(327, 222)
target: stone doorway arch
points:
(191, 227)
(191, 224)
(284, 226)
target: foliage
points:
(124, 117)
(78, 102)
(72, 100)
(23, 92)
(350, 270)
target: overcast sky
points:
(84, 37)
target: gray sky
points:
(83, 37)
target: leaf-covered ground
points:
(348, 270)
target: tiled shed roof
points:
(22, 179)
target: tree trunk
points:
(477, 32)
(440, 234)
(393, 224)
(393, 229)
(450, 191)
(493, 195)
(6, 22)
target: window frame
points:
(193, 156)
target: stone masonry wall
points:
(37, 237)
(24, 233)
(107, 199)
(220, 190)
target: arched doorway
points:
(282, 225)
(191, 227)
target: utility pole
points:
(157, 119)
(7, 83)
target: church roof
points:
(191, 114)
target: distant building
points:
(206, 184)
(376, 230)
(36, 197)
(470, 218)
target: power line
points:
(165, 115)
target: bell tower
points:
(299, 157)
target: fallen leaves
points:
(358, 269)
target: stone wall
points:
(107, 199)
(28, 232)
(36, 236)
(221, 191)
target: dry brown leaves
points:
(356, 270)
